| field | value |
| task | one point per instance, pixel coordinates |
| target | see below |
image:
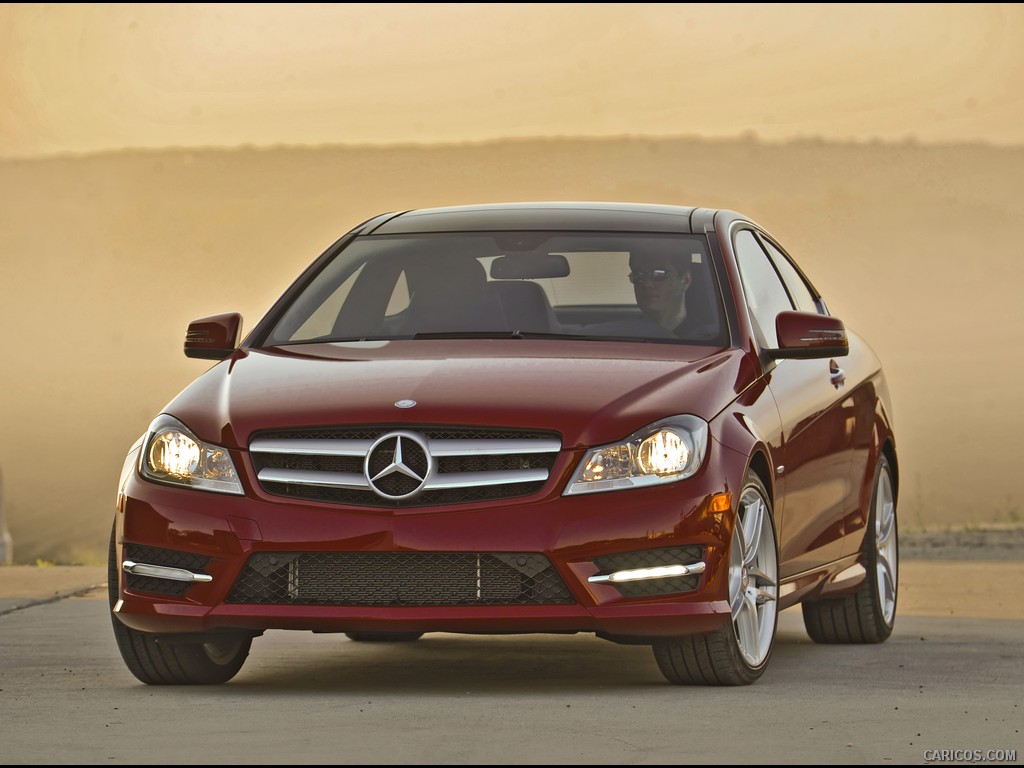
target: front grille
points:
(399, 579)
(169, 558)
(470, 464)
(652, 558)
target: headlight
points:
(174, 455)
(664, 452)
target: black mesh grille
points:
(157, 586)
(399, 579)
(500, 463)
(427, 498)
(169, 558)
(651, 558)
(656, 587)
(398, 485)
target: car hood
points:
(590, 392)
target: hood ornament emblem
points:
(405, 403)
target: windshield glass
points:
(598, 286)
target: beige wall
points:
(106, 258)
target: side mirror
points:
(213, 338)
(809, 335)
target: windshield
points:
(598, 286)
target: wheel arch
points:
(762, 467)
(889, 451)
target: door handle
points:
(836, 375)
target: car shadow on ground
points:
(451, 664)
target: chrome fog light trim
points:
(163, 572)
(641, 574)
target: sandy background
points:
(106, 258)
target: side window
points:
(766, 295)
(798, 290)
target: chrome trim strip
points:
(491, 447)
(645, 574)
(353, 480)
(331, 447)
(471, 479)
(311, 447)
(824, 336)
(163, 572)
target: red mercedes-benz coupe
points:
(634, 420)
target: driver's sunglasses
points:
(650, 276)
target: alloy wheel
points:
(887, 557)
(753, 579)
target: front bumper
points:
(577, 534)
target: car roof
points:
(608, 217)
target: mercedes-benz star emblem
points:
(398, 464)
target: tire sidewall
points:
(871, 548)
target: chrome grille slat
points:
(491, 447)
(472, 479)
(463, 468)
(310, 477)
(326, 447)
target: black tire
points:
(383, 637)
(202, 662)
(862, 616)
(717, 658)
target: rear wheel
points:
(207, 659)
(383, 637)
(868, 615)
(738, 652)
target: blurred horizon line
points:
(745, 137)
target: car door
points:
(813, 475)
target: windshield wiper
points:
(530, 335)
(499, 335)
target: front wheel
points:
(208, 659)
(738, 652)
(868, 615)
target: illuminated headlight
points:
(174, 455)
(664, 452)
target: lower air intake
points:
(399, 579)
